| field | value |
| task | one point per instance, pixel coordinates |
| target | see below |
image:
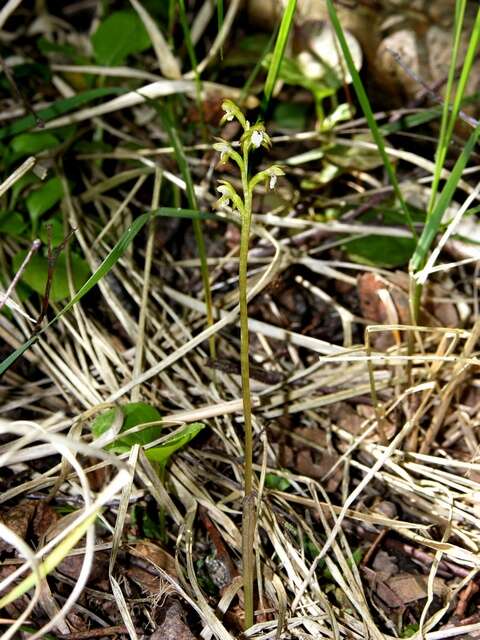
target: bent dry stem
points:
(254, 136)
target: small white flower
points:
(257, 139)
(273, 172)
(224, 149)
(229, 111)
(224, 192)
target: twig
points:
(373, 547)
(373, 201)
(33, 249)
(435, 97)
(18, 94)
(94, 633)
(464, 598)
(52, 258)
(256, 373)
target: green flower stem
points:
(244, 348)
(253, 137)
(247, 532)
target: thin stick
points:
(52, 258)
(19, 95)
(473, 122)
(33, 249)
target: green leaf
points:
(46, 46)
(410, 630)
(342, 113)
(31, 143)
(57, 233)
(151, 528)
(44, 198)
(279, 50)
(381, 251)
(354, 157)
(254, 43)
(355, 559)
(291, 116)
(12, 223)
(24, 182)
(134, 414)
(162, 454)
(35, 274)
(272, 481)
(119, 35)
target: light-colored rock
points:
(320, 54)
(420, 31)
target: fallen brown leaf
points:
(173, 626)
(17, 519)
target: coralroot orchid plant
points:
(254, 137)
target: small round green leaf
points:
(119, 35)
(36, 272)
(44, 198)
(134, 414)
(30, 143)
(162, 454)
(381, 251)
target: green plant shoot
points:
(254, 137)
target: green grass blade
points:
(283, 33)
(367, 110)
(172, 14)
(434, 220)
(444, 137)
(108, 263)
(192, 201)
(58, 108)
(220, 14)
(465, 74)
(193, 58)
(180, 157)
(257, 68)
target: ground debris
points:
(173, 626)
